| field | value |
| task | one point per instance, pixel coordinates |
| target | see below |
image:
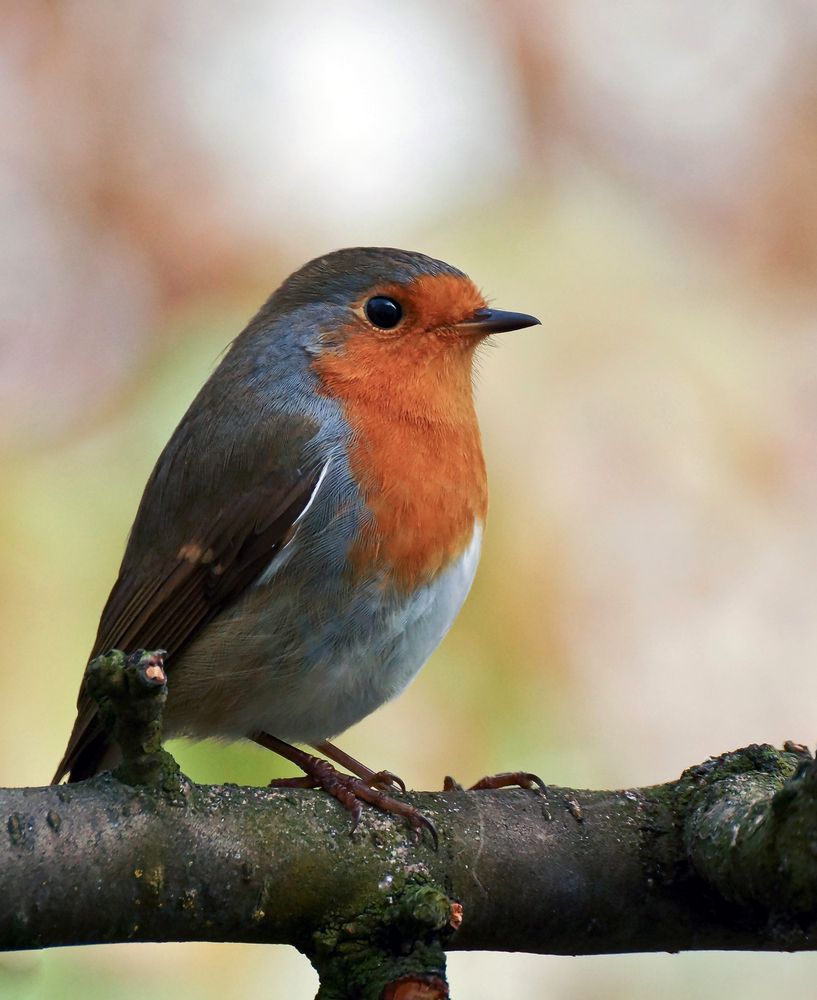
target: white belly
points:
(253, 669)
(342, 691)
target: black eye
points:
(384, 312)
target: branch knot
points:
(131, 692)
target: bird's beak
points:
(485, 321)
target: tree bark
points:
(725, 857)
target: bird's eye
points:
(384, 312)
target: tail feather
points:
(89, 750)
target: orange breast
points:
(415, 452)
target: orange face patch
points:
(416, 450)
(435, 301)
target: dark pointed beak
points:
(485, 321)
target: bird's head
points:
(394, 326)
(390, 327)
(395, 299)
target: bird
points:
(312, 528)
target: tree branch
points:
(722, 858)
(725, 857)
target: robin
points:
(313, 526)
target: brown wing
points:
(212, 517)
(167, 608)
(208, 571)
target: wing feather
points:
(174, 580)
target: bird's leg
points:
(507, 779)
(349, 791)
(384, 780)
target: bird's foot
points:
(507, 779)
(349, 790)
(385, 781)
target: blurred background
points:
(642, 176)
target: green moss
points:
(749, 820)
(402, 934)
(130, 692)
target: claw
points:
(384, 780)
(528, 780)
(357, 811)
(426, 823)
(509, 779)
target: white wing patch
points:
(283, 553)
(312, 495)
